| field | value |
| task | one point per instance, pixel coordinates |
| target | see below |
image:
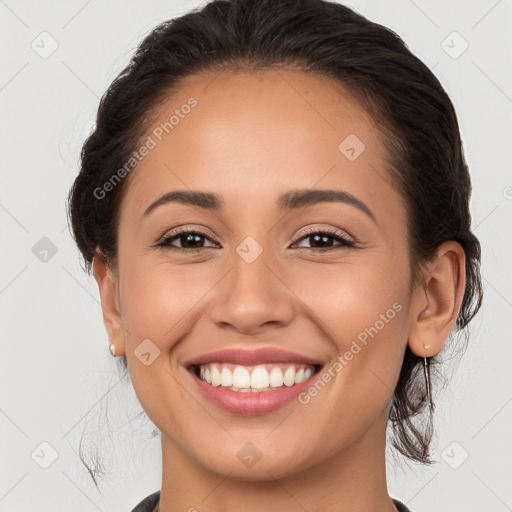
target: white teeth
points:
(226, 378)
(262, 377)
(241, 377)
(276, 377)
(289, 376)
(216, 380)
(259, 378)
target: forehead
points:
(256, 134)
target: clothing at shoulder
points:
(400, 506)
(148, 504)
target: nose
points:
(253, 297)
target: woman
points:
(275, 206)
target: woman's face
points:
(254, 275)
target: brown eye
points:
(322, 240)
(190, 240)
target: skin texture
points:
(252, 137)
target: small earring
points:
(113, 350)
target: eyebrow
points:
(291, 200)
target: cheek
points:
(159, 301)
(361, 309)
(349, 298)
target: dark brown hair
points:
(406, 101)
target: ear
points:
(108, 287)
(436, 304)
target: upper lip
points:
(251, 357)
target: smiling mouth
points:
(255, 378)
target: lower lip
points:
(250, 404)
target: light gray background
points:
(58, 379)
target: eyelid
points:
(346, 240)
(184, 230)
(334, 232)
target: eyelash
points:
(346, 243)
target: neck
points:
(350, 480)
